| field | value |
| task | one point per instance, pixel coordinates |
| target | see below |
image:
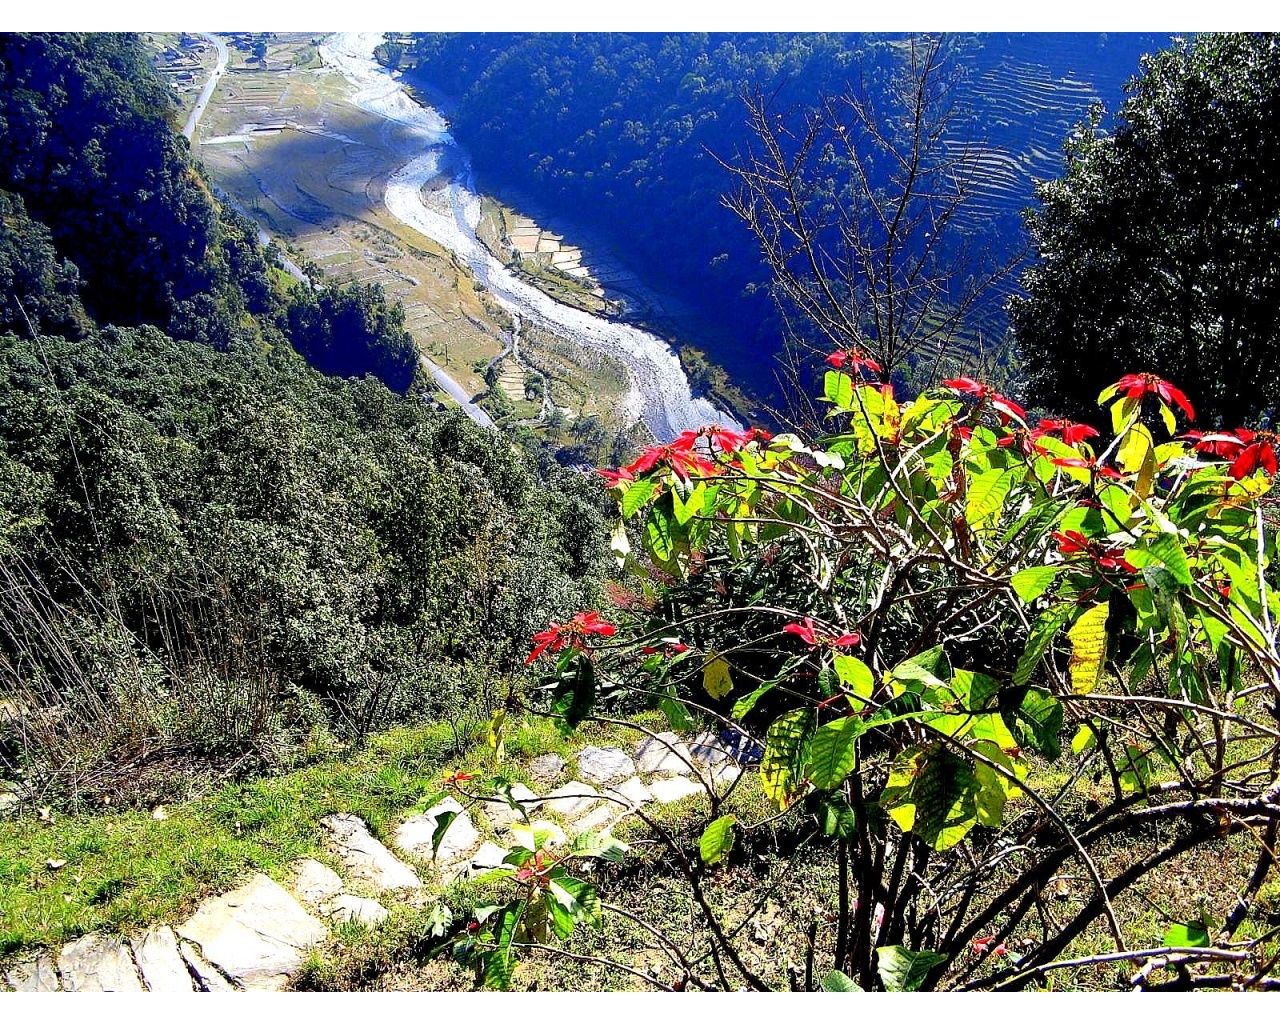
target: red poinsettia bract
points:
(1072, 433)
(809, 633)
(982, 392)
(1248, 450)
(573, 633)
(1073, 542)
(1135, 385)
(854, 358)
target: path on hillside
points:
(206, 93)
(256, 937)
(660, 394)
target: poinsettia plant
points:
(940, 622)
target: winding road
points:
(206, 93)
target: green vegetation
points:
(1160, 246)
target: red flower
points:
(720, 437)
(969, 386)
(1072, 433)
(571, 634)
(808, 632)
(1259, 454)
(981, 945)
(458, 777)
(668, 647)
(613, 477)
(678, 456)
(1092, 465)
(1073, 542)
(1135, 385)
(854, 357)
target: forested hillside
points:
(208, 548)
(626, 130)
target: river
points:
(660, 393)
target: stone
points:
(345, 907)
(160, 962)
(257, 935)
(572, 800)
(546, 768)
(708, 748)
(603, 765)
(38, 975)
(9, 801)
(501, 814)
(633, 791)
(664, 754)
(98, 963)
(208, 977)
(415, 835)
(366, 858)
(722, 776)
(668, 791)
(601, 819)
(489, 856)
(315, 883)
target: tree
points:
(1159, 248)
(854, 206)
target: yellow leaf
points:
(715, 677)
(496, 736)
(1135, 448)
(1088, 648)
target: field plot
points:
(282, 140)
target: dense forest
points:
(627, 131)
(207, 546)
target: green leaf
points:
(831, 754)
(855, 675)
(838, 981)
(717, 839)
(1042, 634)
(837, 388)
(637, 495)
(1167, 550)
(902, 970)
(1033, 581)
(1192, 933)
(986, 497)
(677, 714)
(784, 755)
(1084, 739)
(658, 538)
(1040, 714)
(744, 704)
(833, 814)
(599, 845)
(715, 677)
(930, 668)
(686, 508)
(1088, 638)
(443, 822)
(438, 922)
(580, 898)
(501, 962)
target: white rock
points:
(366, 858)
(668, 791)
(9, 801)
(710, 749)
(603, 765)
(633, 791)
(257, 935)
(546, 768)
(601, 819)
(315, 883)
(209, 977)
(345, 907)
(489, 856)
(501, 814)
(38, 975)
(162, 966)
(415, 836)
(722, 776)
(572, 800)
(98, 963)
(665, 754)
